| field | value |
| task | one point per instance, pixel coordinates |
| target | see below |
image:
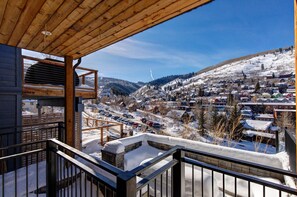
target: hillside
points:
(259, 65)
(118, 86)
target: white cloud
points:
(139, 50)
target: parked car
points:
(143, 120)
(149, 123)
(128, 116)
(156, 125)
(115, 117)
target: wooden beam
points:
(35, 90)
(69, 101)
(295, 33)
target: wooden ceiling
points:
(80, 27)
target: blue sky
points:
(205, 36)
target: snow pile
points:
(115, 146)
(272, 160)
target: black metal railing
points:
(179, 175)
(31, 133)
(69, 172)
(290, 147)
(27, 135)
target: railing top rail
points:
(138, 170)
(56, 63)
(242, 162)
(99, 163)
(31, 125)
(22, 154)
(147, 179)
(242, 176)
(22, 144)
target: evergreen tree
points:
(257, 87)
(214, 118)
(234, 125)
(262, 66)
(273, 75)
(201, 122)
(230, 99)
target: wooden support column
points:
(96, 84)
(295, 33)
(69, 101)
(101, 130)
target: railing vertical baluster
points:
(178, 174)
(202, 181)
(27, 182)
(148, 190)
(212, 184)
(235, 186)
(263, 190)
(51, 169)
(91, 185)
(80, 183)
(166, 183)
(72, 179)
(249, 188)
(67, 177)
(155, 186)
(193, 182)
(2, 171)
(86, 184)
(161, 184)
(76, 177)
(223, 184)
(37, 174)
(15, 177)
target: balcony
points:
(47, 79)
(44, 166)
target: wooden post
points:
(101, 129)
(83, 79)
(295, 33)
(69, 101)
(122, 130)
(96, 83)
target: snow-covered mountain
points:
(260, 65)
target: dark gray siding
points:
(10, 86)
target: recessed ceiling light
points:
(46, 33)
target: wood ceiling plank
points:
(96, 12)
(71, 19)
(62, 12)
(3, 4)
(107, 16)
(31, 9)
(128, 17)
(153, 19)
(45, 13)
(11, 16)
